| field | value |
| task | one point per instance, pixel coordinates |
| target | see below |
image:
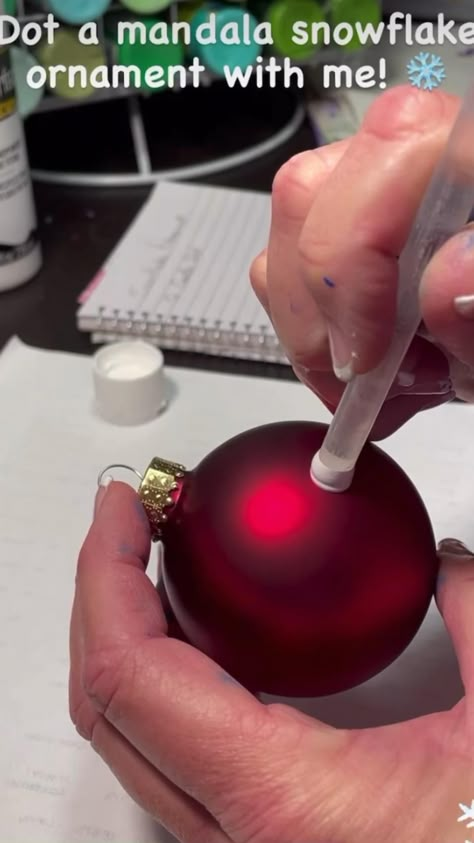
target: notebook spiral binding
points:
(186, 335)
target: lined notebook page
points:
(53, 787)
(185, 260)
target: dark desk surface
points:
(80, 226)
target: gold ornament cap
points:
(158, 492)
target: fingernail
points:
(343, 359)
(405, 379)
(101, 492)
(453, 547)
(406, 384)
(464, 306)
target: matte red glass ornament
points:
(293, 590)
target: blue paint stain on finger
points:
(441, 580)
(329, 282)
(228, 679)
(140, 510)
(469, 239)
(297, 307)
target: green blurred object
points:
(10, 7)
(187, 10)
(67, 50)
(150, 55)
(28, 98)
(363, 12)
(146, 7)
(283, 14)
(215, 57)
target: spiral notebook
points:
(180, 276)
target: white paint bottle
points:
(20, 250)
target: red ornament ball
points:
(293, 590)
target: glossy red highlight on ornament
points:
(292, 590)
(274, 509)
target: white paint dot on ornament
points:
(129, 382)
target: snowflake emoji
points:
(468, 814)
(426, 71)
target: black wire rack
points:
(144, 173)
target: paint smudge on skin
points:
(140, 510)
(329, 282)
(228, 679)
(469, 239)
(295, 307)
(441, 580)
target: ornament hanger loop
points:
(122, 466)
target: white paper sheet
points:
(53, 788)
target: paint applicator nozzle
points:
(444, 210)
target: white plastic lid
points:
(129, 382)
(329, 479)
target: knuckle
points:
(294, 185)
(253, 797)
(103, 674)
(258, 273)
(289, 172)
(81, 560)
(313, 253)
(83, 717)
(310, 356)
(196, 830)
(371, 268)
(405, 110)
(258, 282)
(192, 825)
(267, 809)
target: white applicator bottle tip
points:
(330, 480)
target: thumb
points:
(455, 599)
